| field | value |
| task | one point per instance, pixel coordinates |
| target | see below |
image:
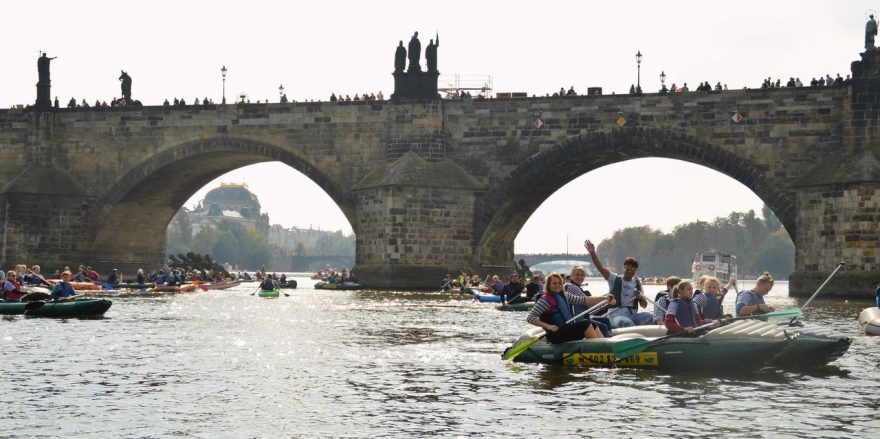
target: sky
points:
(176, 49)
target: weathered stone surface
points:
(136, 167)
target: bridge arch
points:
(128, 225)
(518, 196)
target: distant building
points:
(229, 202)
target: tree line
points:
(760, 244)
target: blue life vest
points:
(712, 307)
(62, 289)
(577, 309)
(160, 279)
(560, 310)
(617, 290)
(686, 313)
(754, 299)
(878, 296)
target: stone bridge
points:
(313, 264)
(437, 186)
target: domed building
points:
(230, 202)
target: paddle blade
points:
(34, 305)
(516, 350)
(203, 288)
(784, 313)
(628, 348)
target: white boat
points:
(869, 320)
(719, 265)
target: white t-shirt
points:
(627, 290)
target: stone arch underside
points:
(131, 218)
(508, 207)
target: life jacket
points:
(617, 290)
(15, 294)
(754, 299)
(62, 289)
(577, 309)
(712, 308)
(560, 310)
(160, 279)
(878, 296)
(267, 284)
(686, 314)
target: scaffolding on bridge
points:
(454, 85)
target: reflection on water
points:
(390, 364)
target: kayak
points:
(77, 308)
(519, 306)
(78, 286)
(128, 286)
(269, 293)
(290, 285)
(185, 288)
(337, 286)
(222, 285)
(482, 297)
(742, 345)
(869, 321)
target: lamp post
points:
(662, 81)
(281, 93)
(223, 73)
(639, 72)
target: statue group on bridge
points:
(413, 52)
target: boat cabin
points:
(720, 265)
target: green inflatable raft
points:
(269, 293)
(744, 345)
(337, 286)
(77, 308)
(519, 306)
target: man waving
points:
(627, 291)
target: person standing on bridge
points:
(627, 292)
(870, 32)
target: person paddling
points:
(63, 289)
(751, 302)
(268, 284)
(11, 288)
(552, 310)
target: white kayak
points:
(869, 320)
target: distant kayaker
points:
(682, 314)
(532, 288)
(268, 284)
(11, 288)
(113, 277)
(626, 289)
(751, 302)
(140, 276)
(63, 289)
(553, 309)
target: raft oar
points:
(515, 351)
(839, 266)
(627, 348)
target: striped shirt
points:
(543, 305)
(661, 305)
(699, 298)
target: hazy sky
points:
(176, 49)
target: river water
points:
(362, 364)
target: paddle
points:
(839, 266)
(514, 352)
(34, 305)
(627, 348)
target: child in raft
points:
(554, 308)
(662, 299)
(682, 314)
(713, 296)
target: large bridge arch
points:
(518, 196)
(128, 225)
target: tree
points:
(770, 219)
(776, 255)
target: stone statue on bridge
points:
(870, 32)
(415, 53)
(126, 87)
(431, 54)
(44, 102)
(400, 58)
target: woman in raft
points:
(554, 308)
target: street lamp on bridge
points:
(639, 72)
(662, 81)
(223, 74)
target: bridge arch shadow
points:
(131, 216)
(519, 195)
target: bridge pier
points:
(415, 223)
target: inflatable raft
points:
(185, 288)
(337, 286)
(290, 285)
(79, 286)
(740, 346)
(269, 293)
(221, 285)
(76, 308)
(869, 321)
(519, 306)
